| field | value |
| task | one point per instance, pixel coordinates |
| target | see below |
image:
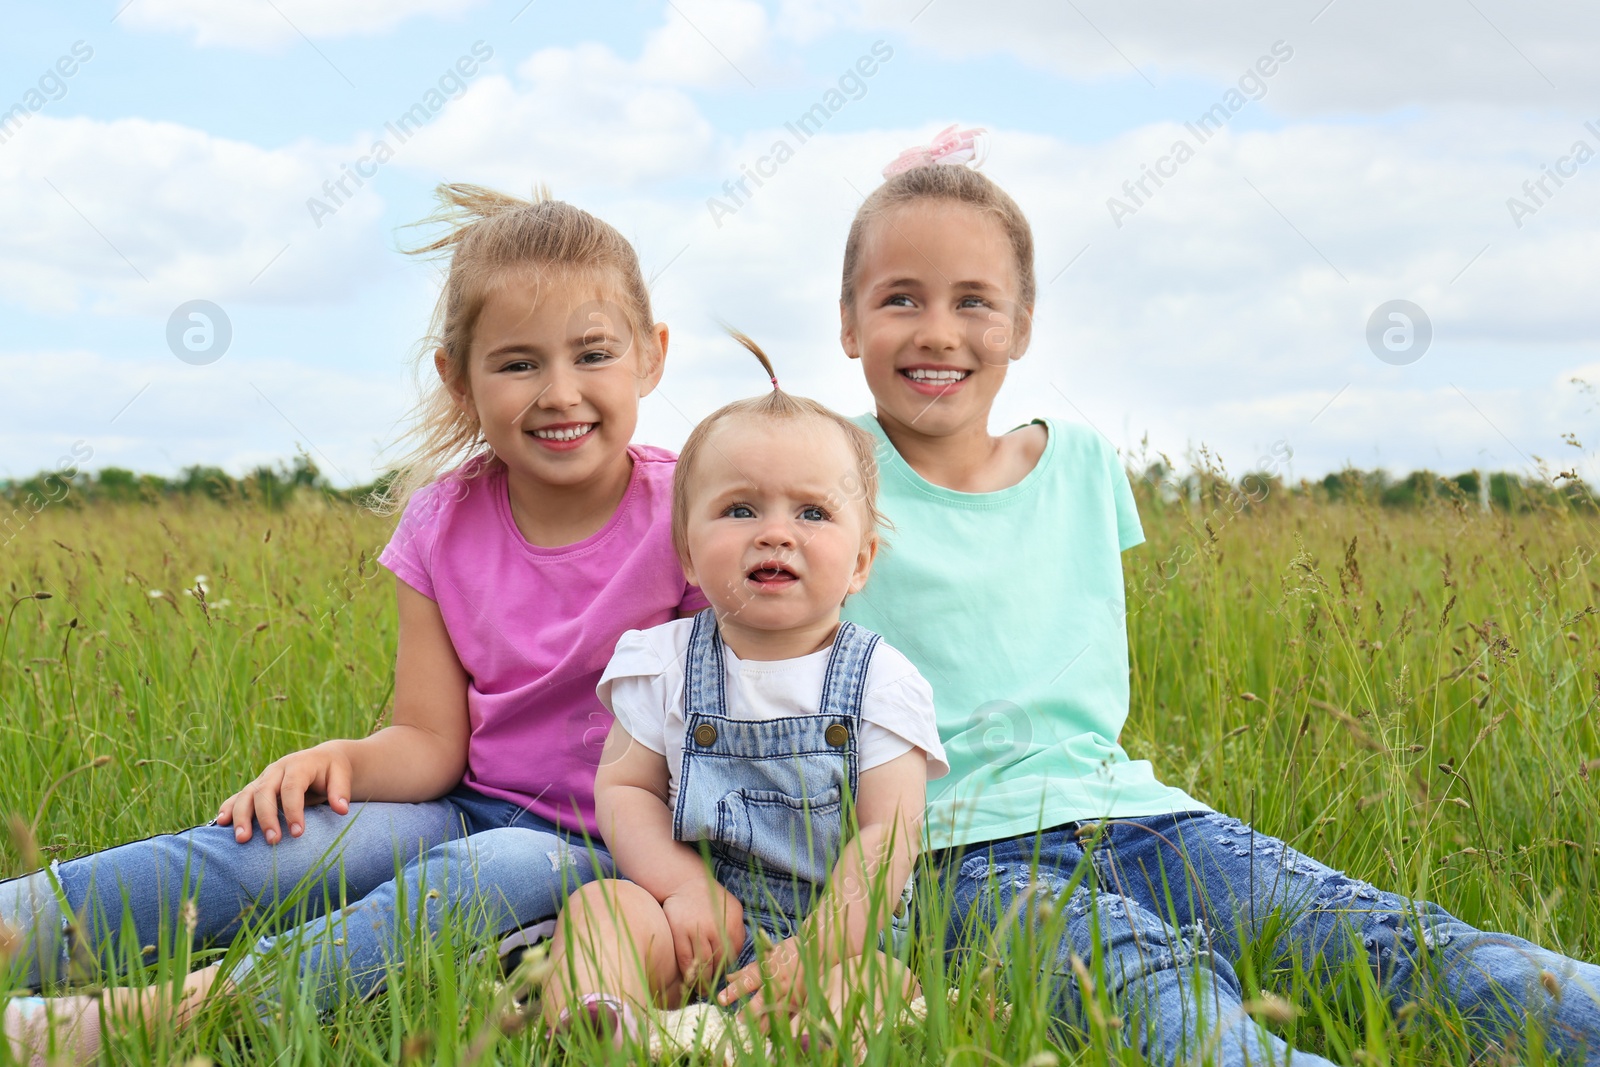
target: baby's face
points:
(776, 535)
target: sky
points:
(203, 206)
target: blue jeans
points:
(343, 897)
(1166, 902)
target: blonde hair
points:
(492, 235)
(955, 184)
(774, 406)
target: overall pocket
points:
(786, 835)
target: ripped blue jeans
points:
(1167, 904)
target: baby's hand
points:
(707, 924)
(312, 775)
(780, 970)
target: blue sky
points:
(1228, 309)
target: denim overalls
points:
(770, 799)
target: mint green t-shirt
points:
(1011, 604)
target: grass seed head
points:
(1270, 1007)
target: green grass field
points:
(1309, 666)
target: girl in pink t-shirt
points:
(534, 535)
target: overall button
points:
(705, 735)
(837, 735)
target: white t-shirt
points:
(643, 688)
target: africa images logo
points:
(51, 86)
(1252, 85)
(450, 85)
(851, 85)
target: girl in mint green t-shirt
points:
(1004, 587)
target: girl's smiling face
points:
(554, 376)
(935, 320)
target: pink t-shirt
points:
(534, 627)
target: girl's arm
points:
(421, 756)
(630, 799)
(863, 889)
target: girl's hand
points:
(777, 980)
(315, 775)
(707, 924)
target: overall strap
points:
(704, 692)
(845, 684)
(704, 680)
(846, 680)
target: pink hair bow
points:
(951, 148)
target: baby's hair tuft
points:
(755, 350)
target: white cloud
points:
(261, 24)
(139, 215)
(805, 20)
(707, 43)
(585, 117)
(1349, 54)
(575, 118)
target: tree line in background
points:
(271, 486)
(1502, 491)
(274, 486)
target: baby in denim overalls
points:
(762, 787)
